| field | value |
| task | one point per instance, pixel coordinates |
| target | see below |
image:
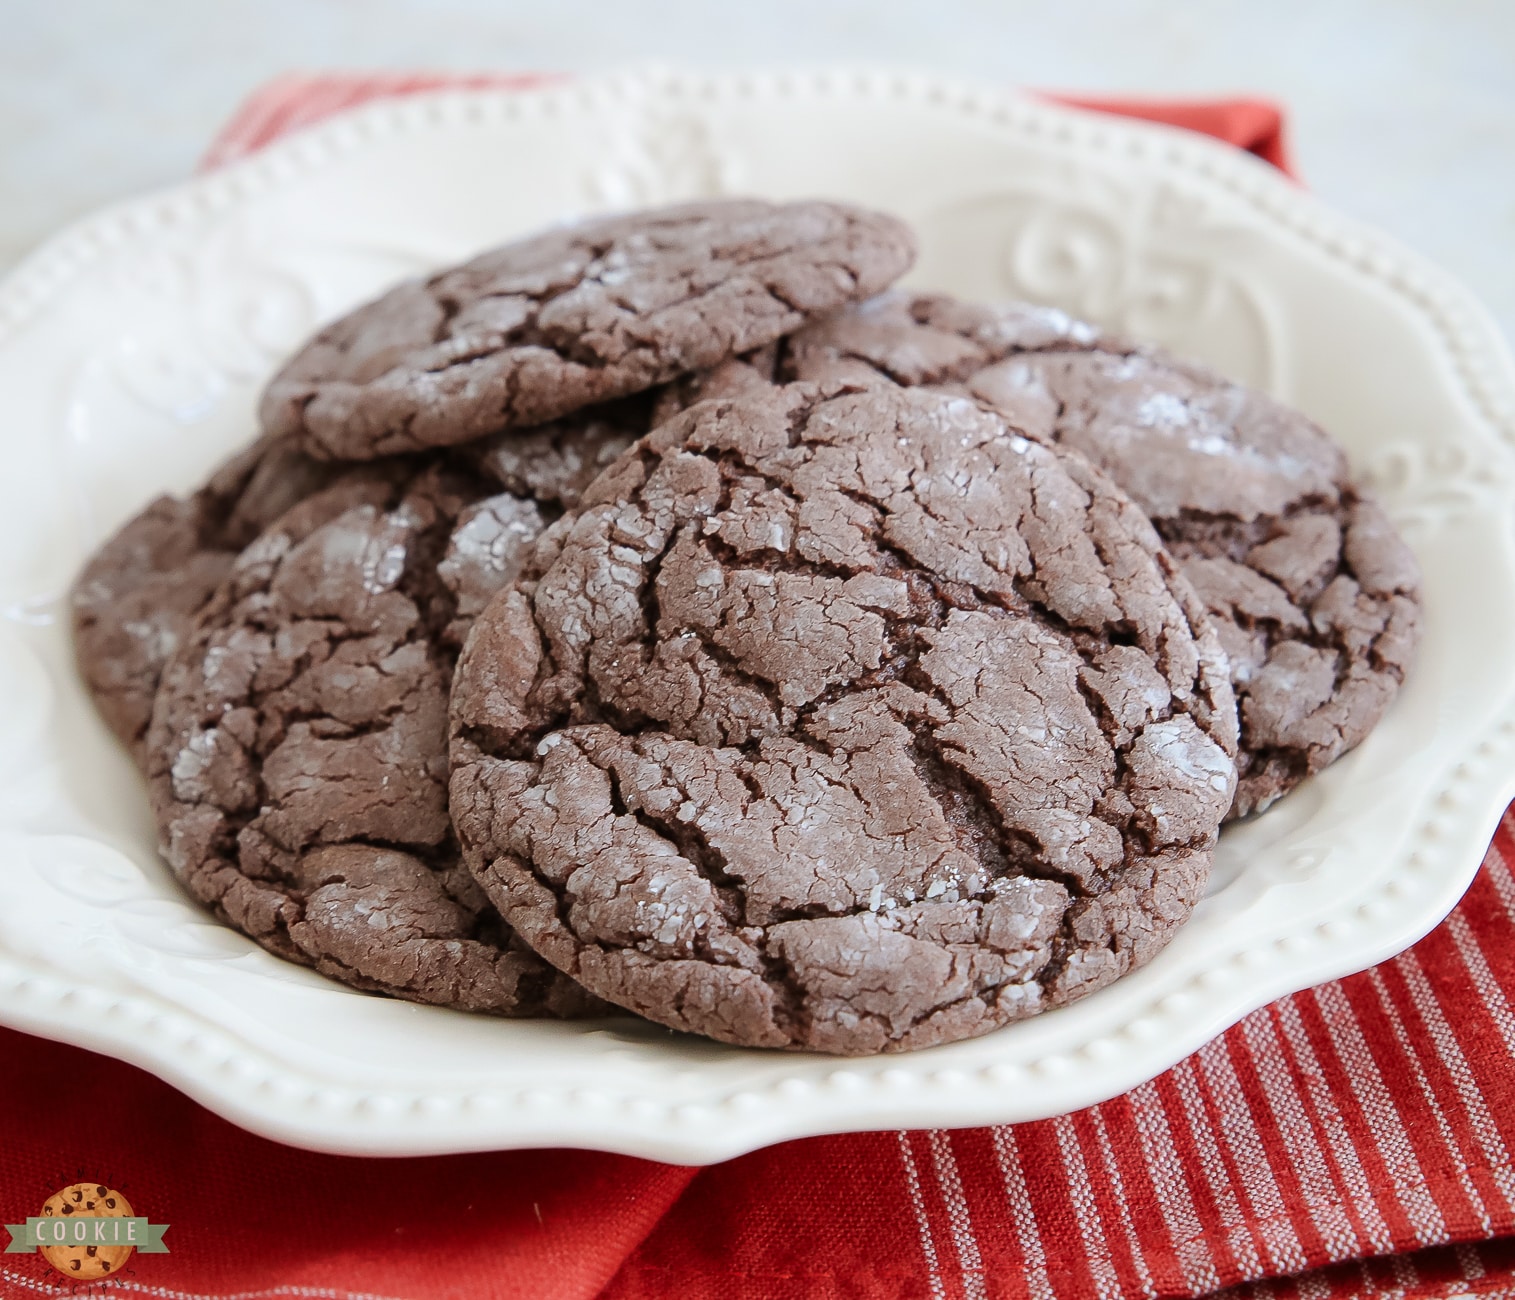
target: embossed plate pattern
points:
(131, 350)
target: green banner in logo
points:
(86, 1230)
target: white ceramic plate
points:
(131, 350)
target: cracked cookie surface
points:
(297, 751)
(1315, 596)
(536, 329)
(843, 720)
(138, 593)
(137, 596)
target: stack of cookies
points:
(657, 615)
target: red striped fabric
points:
(299, 100)
(1351, 1140)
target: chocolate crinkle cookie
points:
(844, 720)
(557, 461)
(137, 595)
(297, 752)
(537, 329)
(1315, 596)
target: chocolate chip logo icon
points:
(86, 1232)
(87, 1259)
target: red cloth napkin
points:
(1352, 1140)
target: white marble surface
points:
(1403, 110)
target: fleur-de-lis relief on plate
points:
(662, 158)
(234, 309)
(90, 873)
(1122, 257)
(1429, 483)
(234, 305)
(118, 909)
(26, 699)
(208, 325)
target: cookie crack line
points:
(688, 839)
